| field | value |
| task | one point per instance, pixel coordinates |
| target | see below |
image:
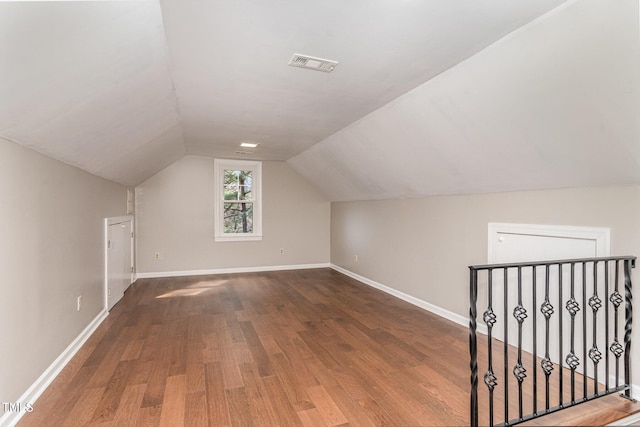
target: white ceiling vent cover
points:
(312, 63)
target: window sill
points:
(237, 238)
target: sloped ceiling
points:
(554, 104)
(429, 97)
(124, 88)
(88, 83)
(229, 62)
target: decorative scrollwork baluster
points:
(583, 353)
(573, 307)
(547, 310)
(616, 299)
(519, 371)
(595, 303)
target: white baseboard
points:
(461, 320)
(631, 420)
(10, 419)
(154, 275)
(635, 389)
(449, 315)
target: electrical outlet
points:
(157, 255)
(281, 251)
(356, 258)
(79, 303)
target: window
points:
(238, 194)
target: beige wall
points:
(422, 247)
(51, 251)
(174, 213)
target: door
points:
(519, 242)
(119, 266)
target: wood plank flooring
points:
(294, 348)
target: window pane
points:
(238, 217)
(238, 185)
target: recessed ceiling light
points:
(312, 63)
(249, 144)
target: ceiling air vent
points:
(311, 63)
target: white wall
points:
(422, 247)
(174, 213)
(51, 251)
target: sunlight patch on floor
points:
(196, 289)
(208, 284)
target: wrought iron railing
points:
(569, 331)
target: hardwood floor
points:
(295, 348)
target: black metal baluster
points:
(547, 310)
(535, 345)
(561, 382)
(519, 371)
(584, 329)
(489, 318)
(473, 350)
(628, 314)
(506, 346)
(616, 300)
(606, 325)
(595, 303)
(572, 360)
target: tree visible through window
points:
(238, 201)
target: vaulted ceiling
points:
(429, 96)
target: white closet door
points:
(118, 272)
(522, 242)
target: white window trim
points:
(219, 167)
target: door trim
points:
(107, 222)
(600, 235)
